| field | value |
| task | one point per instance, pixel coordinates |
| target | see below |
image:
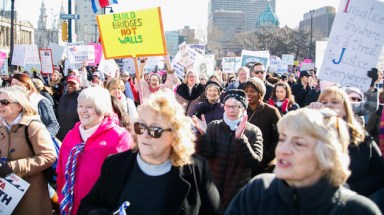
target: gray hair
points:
(99, 97)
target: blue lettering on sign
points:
(341, 56)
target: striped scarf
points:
(70, 173)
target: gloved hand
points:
(373, 75)
(5, 169)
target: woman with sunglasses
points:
(282, 98)
(163, 175)
(367, 165)
(311, 168)
(18, 119)
(85, 147)
(231, 145)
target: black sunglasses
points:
(153, 131)
(5, 102)
(259, 71)
(355, 99)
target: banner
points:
(46, 61)
(255, 57)
(132, 34)
(230, 64)
(57, 52)
(354, 44)
(12, 189)
(79, 54)
(288, 58)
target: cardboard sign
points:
(46, 61)
(354, 44)
(288, 58)
(12, 189)
(132, 34)
(57, 52)
(255, 57)
(79, 54)
(231, 64)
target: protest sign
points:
(255, 57)
(200, 48)
(132, 33)
(354, 44)
(208, 65)
(288, 58)
(126, 64)
(177, 66)
(3, 58)
(98, 52)
(108, 66)
(321, 46)
(380, 62)
(230, 64)
(68, 65)
(46, 61)
(79, 54)
(307, 66)
(57, 52)
(278, 67)
(12, 189)
(4, 68)
(187, 58)
(154, 64)
(18, 56)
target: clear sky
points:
(176, 13)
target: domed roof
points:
(268, 18)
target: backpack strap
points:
(27, 136)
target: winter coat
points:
(265, 117)
(211, 111)
(171, 82)
(188, 101)
(230, 159)
(30, 167)
(268, 195)
(192, 191)
(367, 167)
(108, 139)
(300, 93)
(285, 107)
(67, 113)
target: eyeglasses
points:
(153, 131)
(355, 99)
(5, 102)
(234, 107)
(259, 71)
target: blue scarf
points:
(232, 123)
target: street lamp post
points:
(12, 33)
(69, 22)
(310, 44)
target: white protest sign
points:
(57, 52)
(278, 67)
(307, 66)
(208, 66)
(177, 66)
(380, 62)
(18, 56)
(68, 65)
(354, 44)
(46, 61)
(32, 55)
(4, 69)
(200, 48)
(288, 58)
(12, 189)
(321, 46)
(154, 63)
(230, 64)
(255, 57)
(108, 67)
(79, 54)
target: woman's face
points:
(233, 109)
(253, 95)
(212, 94)
(242, 76)
(281, 93)
(334, 104)
(296, 161)
(8, 109)
(54, 77)
(116, 91)
(87, 114)
(191, 79)
(71, 87)
(202, 79)
(154, 150)
(154, 81)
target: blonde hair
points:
(19, 95)
(357, 132)
(185, 80)
(115, 82)
(331, 133)
(166, 107)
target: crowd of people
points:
(248, 142)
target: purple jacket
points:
(108, 139)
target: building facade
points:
(44, 35)
(322, 20)
(268, 18)
(86, 28)
(23, 33)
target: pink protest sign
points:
(98, 53)
(3, 57)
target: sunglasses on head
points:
(5, 102)
(153, 131)
(355, 99)
(259, 71)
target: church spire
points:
(42, 23)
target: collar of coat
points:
(183, 91)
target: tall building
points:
(322, 20)
(172, 39)
(187, 35)
(226, 18)
(23, 33)
(44, 35)
(86, 26)
(252, 9)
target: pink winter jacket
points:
(107, 139)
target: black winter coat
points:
(193, 191)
